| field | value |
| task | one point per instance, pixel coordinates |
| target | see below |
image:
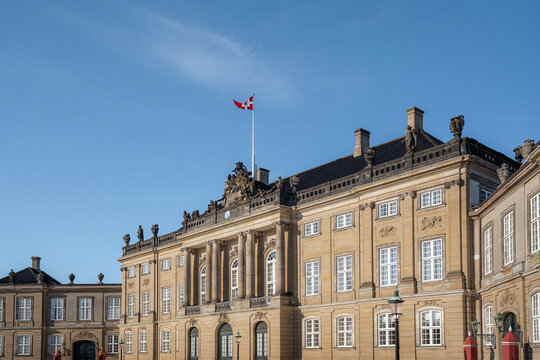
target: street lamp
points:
(121, 343)
(490, 338)
(395, 302)
(238, 337)
(498, 321)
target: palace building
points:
(39, 315)
(303, 267)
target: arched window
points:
(488, 322)
(202, 285)
(261, 338)
(271, 273)
(535, 305)
(225, 342)
(234, 279)
(143, 341)
(430, 328)
(165, 340)
(129, 342)
(344, 328)
(194, 344)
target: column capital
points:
(210, 242)
(241, 234)
(184, 249)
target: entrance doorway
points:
(84, 350)
(509, 321)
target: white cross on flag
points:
(246, 105)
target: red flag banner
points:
(246, 105)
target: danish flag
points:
(246, 105)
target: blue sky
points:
(115, 114)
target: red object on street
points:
(101, 354)
(57, 355)
(510, 346)
(470, 349)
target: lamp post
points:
(395, 301)
(238, 337)
(121, 343)
(475, 325)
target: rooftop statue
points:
(239, 185)
(410, 139)
(140, 233)
(456, 125)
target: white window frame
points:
(166, 300)
(131, 272)
(24, 309)
(432, 261)
(180, 260)
(24, 345)
(535, 223)
(312, 277)
(113, 343)
(2, 308)
(202, 285)
(145, 303)
(344, 220)
(508, 238)
(1, 345)
(56, 342)
(312, 330)
(84, 309)
(388, 209)
(431, 198)
(180, 296)
(344, 273)
(113, 308)
(234, 279)
(488, 250)
(131, 306)
(388, 266)
(270, 273)
(345, 331)
(145, 268)
(165, 341)
(129, 342)
(484, 194)
(386, 330)
(57, 309)
(166, 264)
(143, 341)
(488, 323)
(535, 312)
(311, 228)
(431, 328)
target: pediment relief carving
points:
(223, 317)
(131, 285)
(269, 244)
(428, 303)
(260, 315)
(507, 298)
(234, 251)
(146, 282)
(387, 231)
(192, 322)
(382, 307)
(84, 335)
(430, 222)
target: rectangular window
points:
(113, 308)
(131, 306)
(129, 342)
(55, 343)
(112, 344)
(344, 273)
(165, 341)
(344, 331)
(488, 323)
(312, 278)
(145, 303)
(1, 345)
(311, 228)
(143, 341)
(166, 264)
(2, 309)
(535, 302)
(85, 308)
(488, 250)
(145, 269)
(388, 208)
(131, 272)
(508, 238)
(386, 330)
(484, 194)
(180, 296)
(431, 198)
(535, 223)
(57, 309)
(343, 221)
(181, 260)
(166, 300)
(388, 266)
(24, 311)
(23, 344)
(432, 260)
(312, 333)
(430, 328)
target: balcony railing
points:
(260, 302)
(193, 310)
(223, 306)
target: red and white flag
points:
(246, 105)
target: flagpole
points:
(253, 141)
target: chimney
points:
(35, 263)
(415, 118)
(263, 175)
(361, 141)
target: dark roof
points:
(30, 276)
(349, 165)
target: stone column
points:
(241, 255)
(187, 266)
(215, 254)
(280, 269)
(249, 264)
(209, 282)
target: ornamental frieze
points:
(269, 244)
(131, 285)
(432, 222)
(146, 282)
(508, 298)
(386, 231)
(234, 251)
